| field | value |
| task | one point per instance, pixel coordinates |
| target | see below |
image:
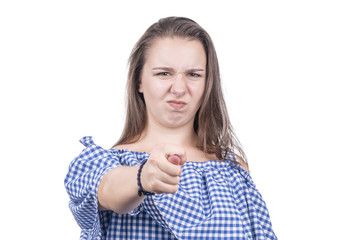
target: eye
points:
(194, 75)
(163, 74)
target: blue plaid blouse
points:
(215, 200)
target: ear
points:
(140, 90)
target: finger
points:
(161, 183)
(155, 180)
(183, 159)
(169, 168)
(161, 187)
(168, 179)
(159, 164)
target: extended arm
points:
(161, 174)
(118, 190)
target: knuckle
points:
(175, 188)
(151, 175)
(150, 187)
(151, 161)
(179, 171)
(155, 186)
(177, 180)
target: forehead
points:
(176, 52)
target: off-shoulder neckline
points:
(145, 153)
(227, 162)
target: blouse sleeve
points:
(215, 200)
(82, 181)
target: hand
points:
(161, 173)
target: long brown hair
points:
(211, 124)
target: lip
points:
(177, 105)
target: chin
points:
(176, 122)
(176, 118)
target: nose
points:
(178, 87)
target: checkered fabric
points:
(215, 200)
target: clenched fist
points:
(161, 172)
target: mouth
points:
(177, 105)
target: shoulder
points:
(134, 147)
(242, 163)
(122, 146)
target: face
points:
(173, 81)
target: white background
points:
(290, 71)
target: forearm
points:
(118, 190)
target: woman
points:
(178, 171)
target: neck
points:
(154, 134)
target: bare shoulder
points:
(242, 163)
(136, 147)
(123, 146)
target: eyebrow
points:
(171, 69)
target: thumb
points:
(174, 159)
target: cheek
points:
(155, 89)
(197, 90)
